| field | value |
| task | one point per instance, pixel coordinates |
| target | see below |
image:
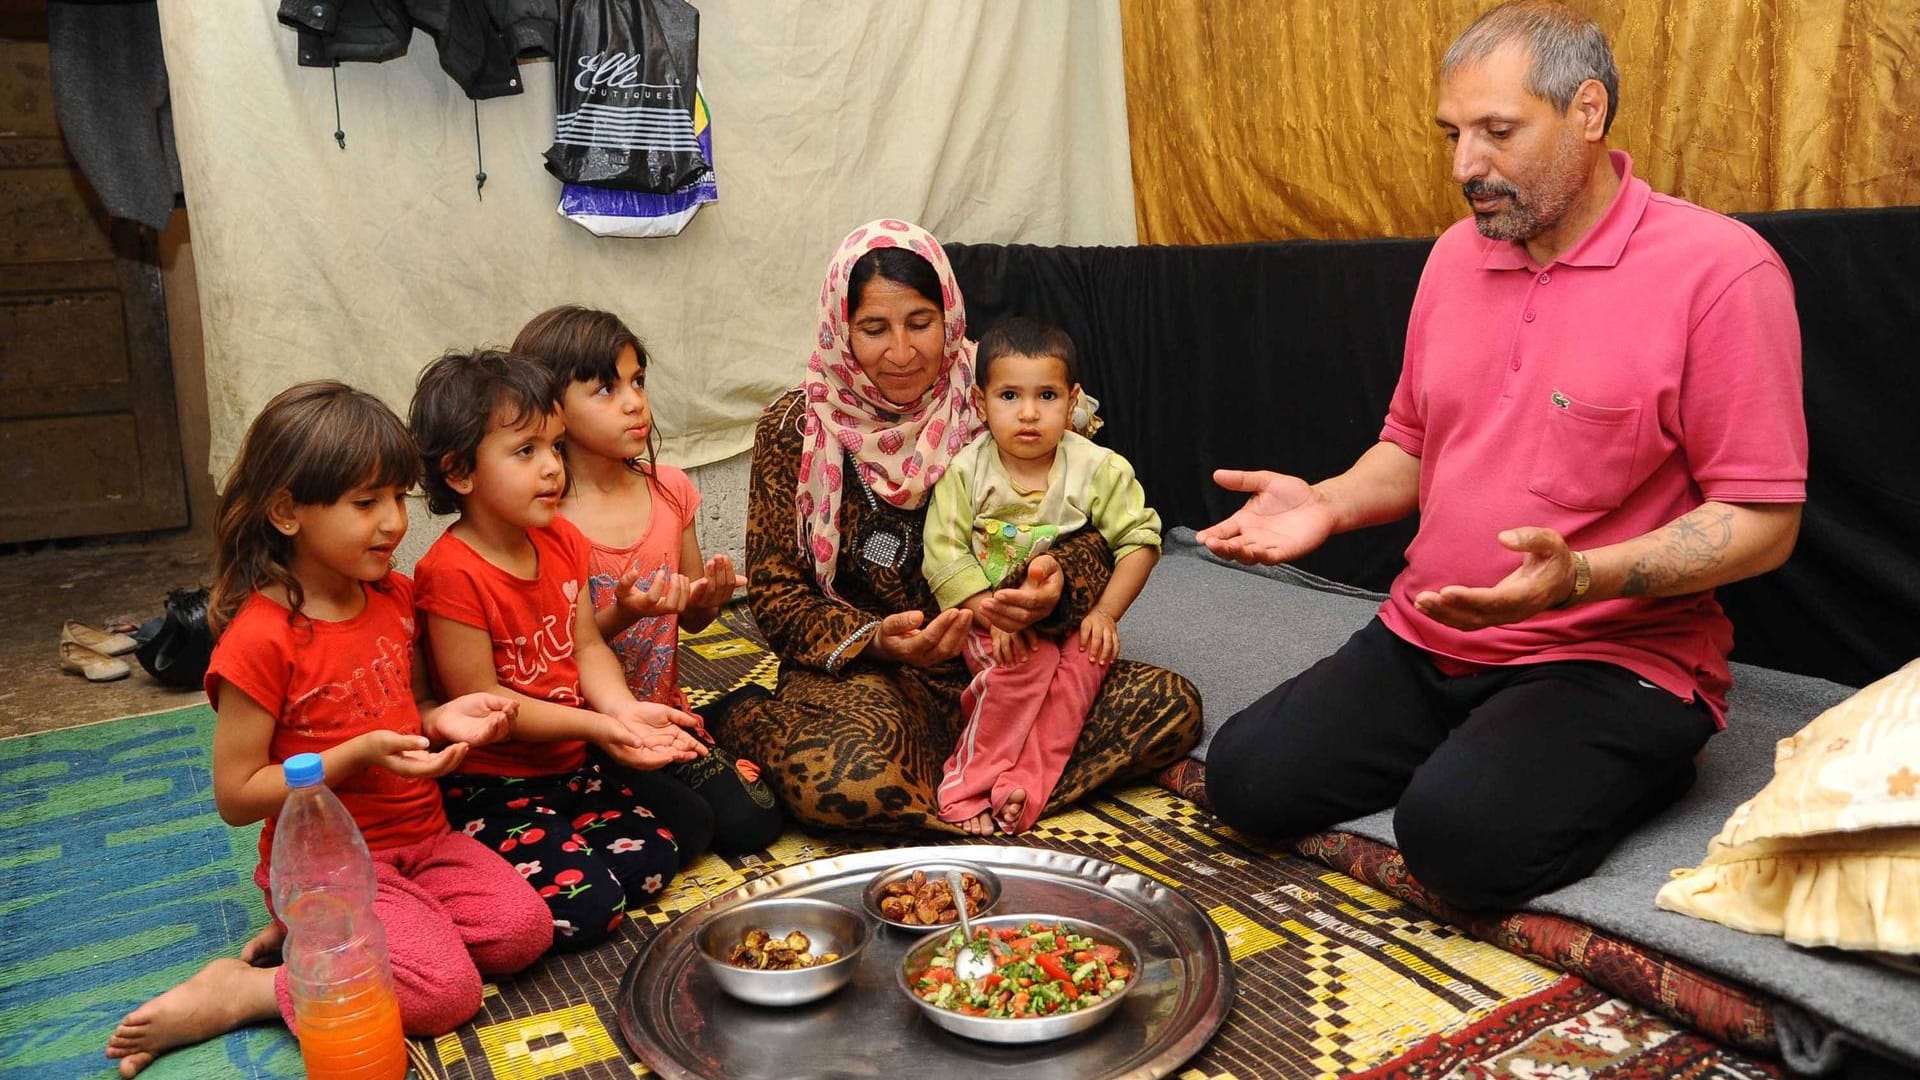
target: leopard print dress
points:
(851, 742)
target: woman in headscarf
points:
(868, 705)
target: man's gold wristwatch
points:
(1582, 580)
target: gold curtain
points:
(1256, 120)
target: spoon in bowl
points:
(973, 960)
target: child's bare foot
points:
(980, 824)
(1008, 816)
(220, 997)
(265, 945)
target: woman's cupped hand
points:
(907, 637)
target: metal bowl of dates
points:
(783, 950)
(915, 896)
(1096, 1003)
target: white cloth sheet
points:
(998, 121)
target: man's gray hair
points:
(1568, 49)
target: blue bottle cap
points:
(303, 770)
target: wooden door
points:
(89, 440)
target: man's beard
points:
(1555, 190)
(1516, 221)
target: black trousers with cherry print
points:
(589, 841)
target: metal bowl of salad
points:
(1051, 976)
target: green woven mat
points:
(117, 880)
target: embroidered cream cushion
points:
(1829, 852)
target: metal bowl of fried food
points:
(1111, 967)
(915, 896)
(783, 950)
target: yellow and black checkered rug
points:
(729, 653)
(1334, 977)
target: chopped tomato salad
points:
(1038, 970)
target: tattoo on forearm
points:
(1692, 545)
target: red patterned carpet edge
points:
(1731, 1014)
(1703, 1002)
(1569, 1029)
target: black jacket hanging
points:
(334, 31)
(474, 51)
(479, 41)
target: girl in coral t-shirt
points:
(317, 653)
(638, 517)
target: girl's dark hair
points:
(454, 403)
(315, 442)
(581, 344)
(895, 264)
(578, 344)
(1023, 335)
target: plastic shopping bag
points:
(611, 212)
(625, 87)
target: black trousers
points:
(1504, 785)
(746, 816)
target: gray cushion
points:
(1236, 632)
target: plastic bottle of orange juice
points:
(345, 1013)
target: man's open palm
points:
(1281, 522)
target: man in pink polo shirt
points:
(1598, 420)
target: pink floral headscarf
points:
(900, 453)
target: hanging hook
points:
(479, 163)
(339, 132)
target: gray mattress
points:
(1238, 632)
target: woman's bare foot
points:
(220, 997)
(980, 824)
(265, 945)
(1008, 816)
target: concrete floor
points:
(91, 581)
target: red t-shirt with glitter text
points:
(326, 682)
(530, 621)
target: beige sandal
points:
(98, 640)
(77, 659)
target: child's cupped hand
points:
(1012, 650)
(1099, 637)
(407, 755)
(717, 586)
(655, 715)
(666, 594)
(474, 719)
(639, 744)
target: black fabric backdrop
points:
(1284, 356)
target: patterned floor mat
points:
(729, 653)
(1696, 999)
(1335, 977)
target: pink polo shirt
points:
(1654, 366)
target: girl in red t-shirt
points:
(317, 653)
(575, 799)
(638, 518)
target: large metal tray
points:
(675, 1017)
